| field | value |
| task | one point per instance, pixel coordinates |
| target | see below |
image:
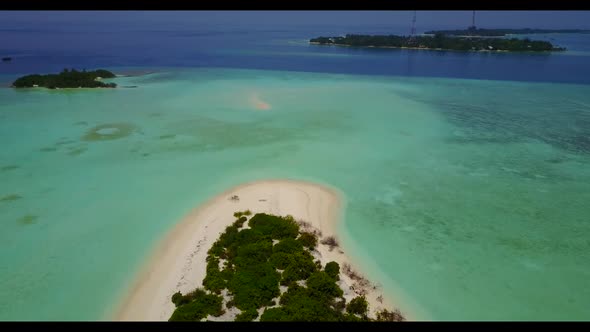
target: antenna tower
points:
(413, 28)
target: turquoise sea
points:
(467, 197)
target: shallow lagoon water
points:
(468, 199)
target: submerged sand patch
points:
(258, 103)
(28, 219)
(64, 142)
(10, 198)
(109, 131)
(8, 168)
(77, 150)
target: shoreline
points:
(436, 49)
(177, 263)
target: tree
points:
(358, 305)
(308, 240)
(321, 285)
(333, 270)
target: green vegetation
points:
(502, 32)
(308, 240)
(389, 316)
(195, 306)
(244, 213)
(249, 265)
(247, 316)
(333, 270)
(67, 79)
(358, 305)
(440, 41)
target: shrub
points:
(318, 264)
(331, 242)
(239, 214)
(177, 298)
(304, 224)
(308, 240)
(216, 250)
(184, 299)
(254, 254)
(293, 291)
(353, 318)
(229, 236)
(247, 236)
(358, 306)
(227, 273)
(352, 274)
(254, 287)
(214, 280)
(274, 315)
(340, 305)
(390, 316)
(300, 268)
(203, 305)
(280, 260)
(333, 270)
(277, 227)
(320, 284)
(288, 245)
(301, 304)
(240, 222)
(247, 316)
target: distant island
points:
(501, 32)
(67, 79)
(440, 42)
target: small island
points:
(265, 268)
(440, 42)
(278, 258)
(472, 31)
(67, 79)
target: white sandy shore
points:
(178, 263)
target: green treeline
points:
(67, 79)
(251, 264)
(440, 41)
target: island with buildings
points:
(440, 42)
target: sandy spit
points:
(178, 261)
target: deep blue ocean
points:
(51, 48)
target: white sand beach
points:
(178, 262)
